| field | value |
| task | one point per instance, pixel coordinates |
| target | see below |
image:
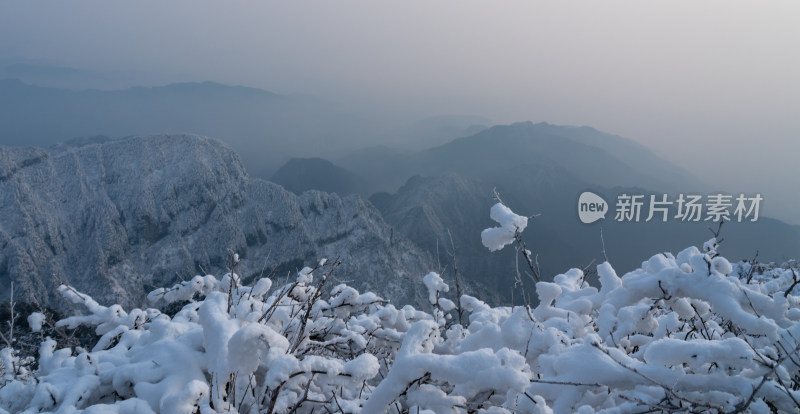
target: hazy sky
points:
(710, 85)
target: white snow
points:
(496, 238)
(35, 321)
(435, 284)
(680, 333)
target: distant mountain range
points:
(542, 169)
(265, 128)
(585, 153)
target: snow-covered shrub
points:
(509, 231)
(684, 332)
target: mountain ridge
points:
(120, 217)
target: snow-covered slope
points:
(117, 218)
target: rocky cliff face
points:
(118, 218)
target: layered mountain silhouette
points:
(585, 153)
(541, 169)
(264, 128)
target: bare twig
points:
(459, 310)
(603, 243)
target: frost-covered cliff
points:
(116, 218)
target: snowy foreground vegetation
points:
(689, 333)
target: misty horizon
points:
(708, 87)
(391, 131)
